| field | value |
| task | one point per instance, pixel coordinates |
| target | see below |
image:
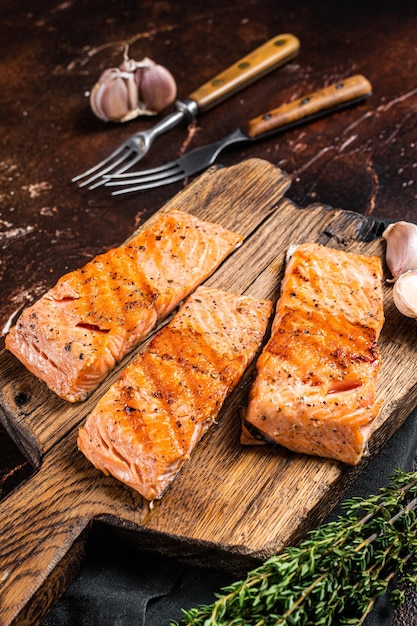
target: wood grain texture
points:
(231, 505)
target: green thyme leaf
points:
(339, 570)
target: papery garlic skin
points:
(133, 89)
(401, 252)
(404, 293)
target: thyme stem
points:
(337, 571)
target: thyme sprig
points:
(338, 571)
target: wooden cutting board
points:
(231, 505)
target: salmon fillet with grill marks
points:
(75, 334)
(314, 391)
(148, 423)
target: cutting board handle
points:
(49, 519)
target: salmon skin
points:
(148, 423)
(75, 334)
(314, 390)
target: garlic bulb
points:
(405, 293)
(401, 253)
(135, 88)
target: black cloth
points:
(114, 589)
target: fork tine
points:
(126, 176)
(99, 175)
(131, 157)
(150, 185)
(98, 166)
(129, 164)
(144, 176)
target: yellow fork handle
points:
(313, 104)
(258, 63)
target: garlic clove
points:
(401, 252)
(157, 87)
(404, 293)
(114, 97)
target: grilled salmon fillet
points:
(75, 334)
(147, 424)
(314, 390)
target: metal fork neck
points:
(189, 108)
(186, 111)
